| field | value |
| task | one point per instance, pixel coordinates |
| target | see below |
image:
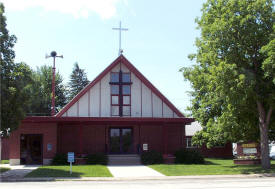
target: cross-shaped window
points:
(120, 83)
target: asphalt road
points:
(209, 183)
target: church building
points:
(119, 112)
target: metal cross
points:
(120, 29)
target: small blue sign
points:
(71, 157)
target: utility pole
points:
(53, 55)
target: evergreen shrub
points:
(98, 158)
(151, 157)
(60, 159)
(188, 156)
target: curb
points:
(50, 179)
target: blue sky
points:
(161, 35)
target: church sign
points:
(251, 145)
(249, 151)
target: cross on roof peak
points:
(120, 29)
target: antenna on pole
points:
(120, 51)
(54, 55)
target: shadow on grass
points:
(252, 169)
(45, 172)
(210, 163)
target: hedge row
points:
(182, 156)
(92, 159)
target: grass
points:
(77, 171)
(4, 169)
(5, 161)
(211, 167)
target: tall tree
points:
(78, 80)
(41, 91)
(15, 80)
(233, 78)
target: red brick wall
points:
(85, 139)
(94, 139)
(216, 152)
(67, 138)
(151, 135)
(175, 138)
(155, 137)
(48, 131)
(4, 148)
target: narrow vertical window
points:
(120, 84)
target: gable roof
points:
(138, 74)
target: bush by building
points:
(151, 157)
(60, 159)
(186, 156)
(93, 159)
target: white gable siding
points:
(123, 68)
(157, 106)
(135, 96)
(167, 112)
(175, 115)
(72, 111)
(105, 96)
(97, 101)
(83, 106)
(146, 101)
(94, 101)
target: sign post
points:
(70, 160)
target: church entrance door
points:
(121, 141)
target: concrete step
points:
(127, 159)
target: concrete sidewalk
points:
(131, 171)
(17, 171)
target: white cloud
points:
(78, 8)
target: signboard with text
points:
(71, 157)
(250, 150)
(145, 147)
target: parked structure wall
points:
(214, 152)
(4, 148)
(48, 132)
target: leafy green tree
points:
(78, 80)
(41, 92)
(15, 79)
(233, 78)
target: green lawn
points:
(212, 167)
(4, 162)
(3, 169)
(77, 171)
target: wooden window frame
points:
(187, 146)
(121, 95)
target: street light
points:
(54, 55)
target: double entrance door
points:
(31, 149)
(121, 141)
